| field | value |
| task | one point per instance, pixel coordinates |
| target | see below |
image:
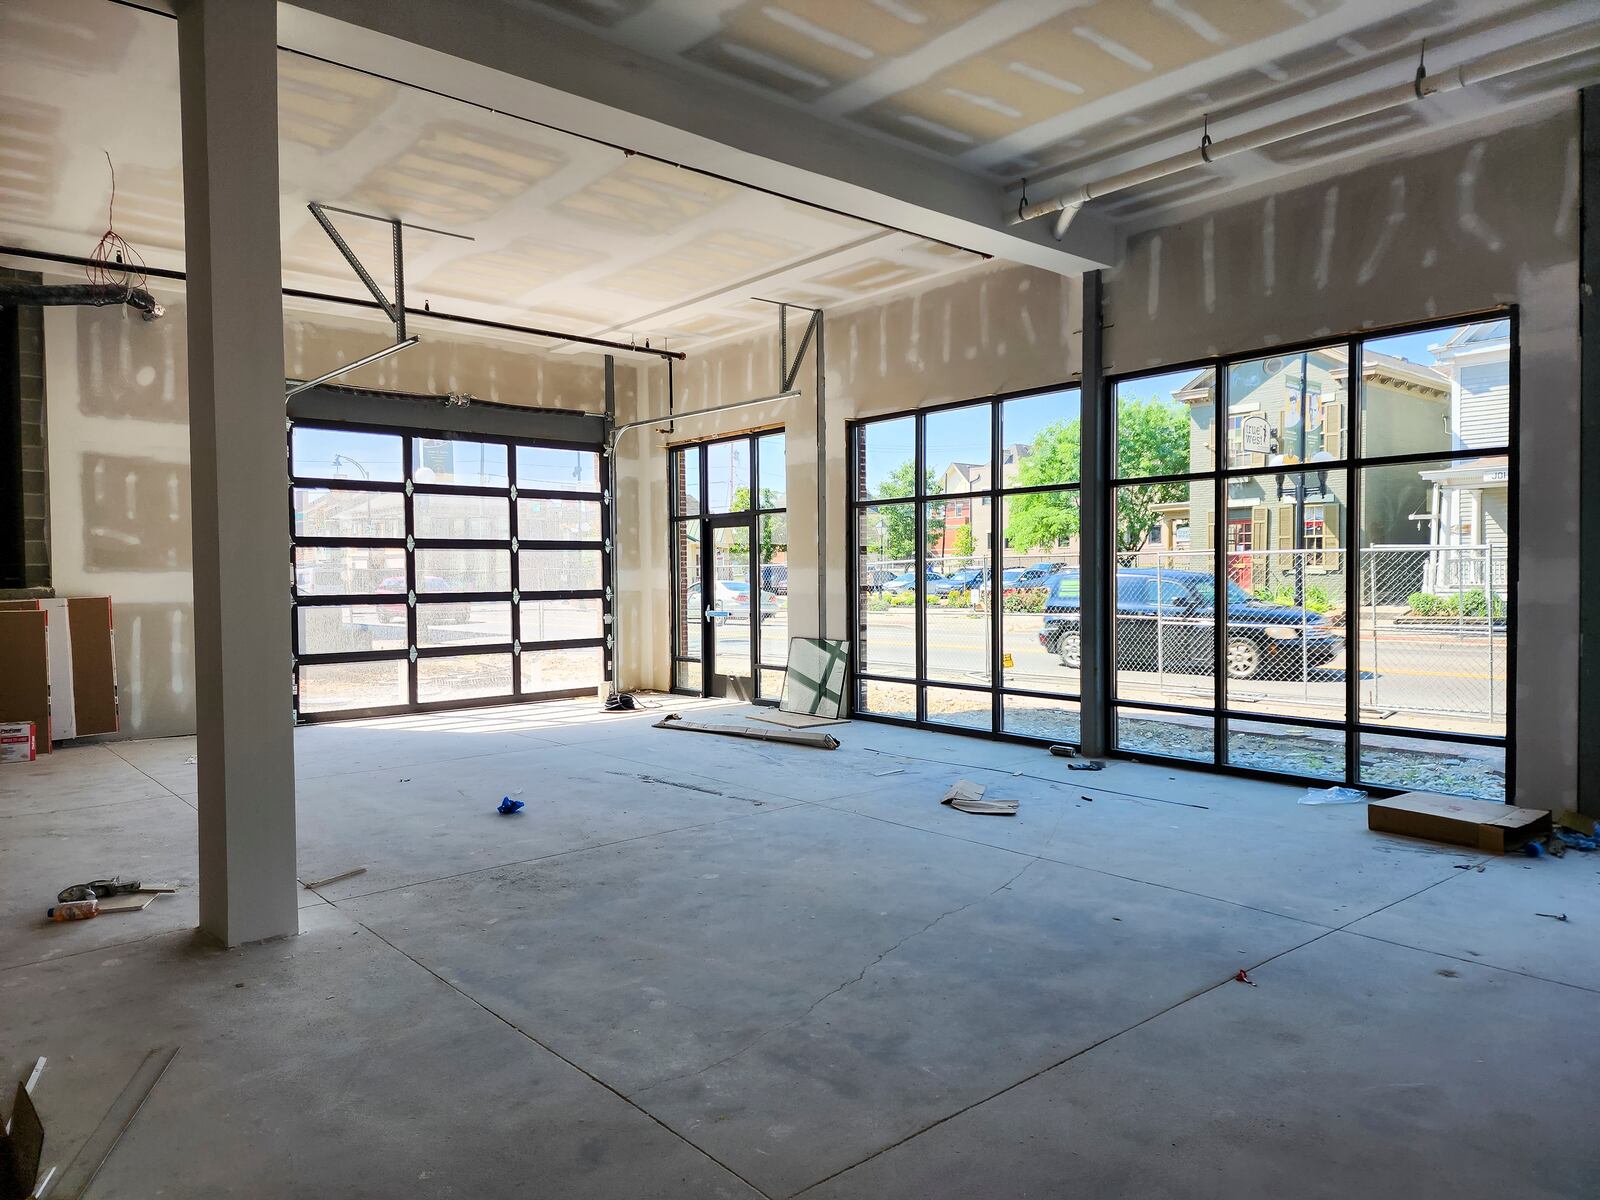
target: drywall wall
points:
(1464, 227)
(992, 329)
(117, 400)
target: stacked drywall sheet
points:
(61, 671)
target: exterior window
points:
(1311, 561)
(966, 572)
(1370, 653)
(1314, 535)
(430, 571)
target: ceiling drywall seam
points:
(1476, 71)
(628, 150)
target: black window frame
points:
(1099, 641)
(410, 544)
(994, 496)
(1353, 464)
(707, 520)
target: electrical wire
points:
(113, 262)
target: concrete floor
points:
(699, 967)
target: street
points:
(1411, 677)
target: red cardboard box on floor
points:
(17, 742)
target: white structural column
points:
(229, 75)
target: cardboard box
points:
(1481, 824)
(17, 742)
(25, 681)
(94, 666)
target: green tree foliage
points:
(1152, 439)
(896, 530)
(1042, 519)
(961, 544)
(774, 529)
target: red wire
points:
(112, 251)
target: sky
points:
(962, 434)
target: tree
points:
(897, 532)
(962, 544)
(1041, 519)
(769, 524)
(1152, 439)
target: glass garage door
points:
(432, 571)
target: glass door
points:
(733, 613)
(730, 567)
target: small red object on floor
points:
(1241, 977)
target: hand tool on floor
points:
(100, 889)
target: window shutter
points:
(1332, 518)
(1285, 539)
(1333, 428)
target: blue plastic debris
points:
(1533, 850)
(1576, 840)
(509, 806)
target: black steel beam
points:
(1589, 449)
(1095, 565)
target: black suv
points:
(1261, 638)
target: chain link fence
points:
(1432, 627)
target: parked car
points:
(934, 583)
(873, 579)
(1261, 638)
(775, 578)
(968, 579)
(1032, 575)
(732, 597)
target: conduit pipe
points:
(1490, 66)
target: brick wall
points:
(32, 434)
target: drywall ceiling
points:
(568, 233)
(1064, 91)
(577, 235)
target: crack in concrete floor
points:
(848, 983)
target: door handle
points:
(713, 613)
